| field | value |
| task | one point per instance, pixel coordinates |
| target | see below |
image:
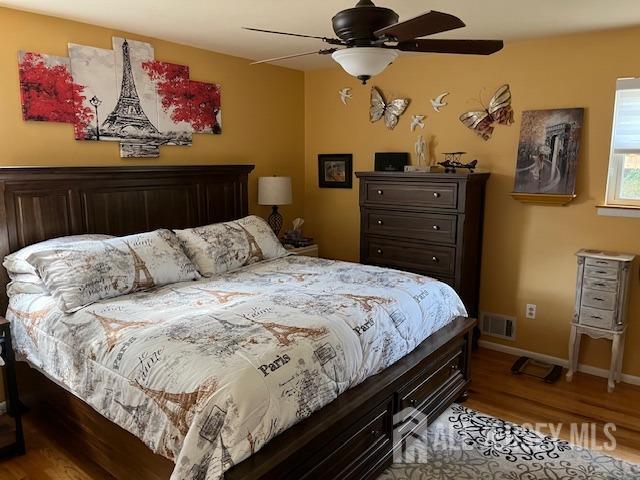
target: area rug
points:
(463, 444)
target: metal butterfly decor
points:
(390, 111)
(498, 112)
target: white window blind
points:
(626, 126)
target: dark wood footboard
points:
(351, 438)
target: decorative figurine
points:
(417, 121)
(438, 102)
(421, 150)
(345, 94)
(452, 162)
(390, 111)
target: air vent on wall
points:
(496, 325)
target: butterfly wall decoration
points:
(390, 111)
(498, 112)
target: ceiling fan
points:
(370, 37)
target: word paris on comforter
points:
(206, 372)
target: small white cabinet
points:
(602, 296)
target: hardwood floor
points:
(495, 391)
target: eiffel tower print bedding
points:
(207, 372)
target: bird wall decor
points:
(345, 94)
(417, 121)
(438, 102)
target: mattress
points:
(206, 373)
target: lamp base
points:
(275, 220)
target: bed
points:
(281, 369)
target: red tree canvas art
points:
(121, 95)
(48, 91)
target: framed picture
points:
(548, 154)
(335, 170)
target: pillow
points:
(25, 283)
(226, 246)
(16, 263)
(81, 273)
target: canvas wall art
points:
(548, 151)
(121, 95)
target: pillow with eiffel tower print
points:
(222, 247)
(79, 274)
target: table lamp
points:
(274, 191)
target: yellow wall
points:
(528, 250)
(262, 108)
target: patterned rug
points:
(467, 445)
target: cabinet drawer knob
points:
(374, 433)
(380, 222)
(436, 195)
(436, 227)
(379, 251)
(413, 402)
(380, 192)
(435, 259)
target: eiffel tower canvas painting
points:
(125, 95)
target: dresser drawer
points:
(416, 194)
(593, 317)
(598, 299)
(599, 262)
(601, 284)
(606, 273)
(410, 256)
(415, 226)
(371, 435)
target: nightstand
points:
(308, 251)
(11, 437)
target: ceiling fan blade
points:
(466, 47)
(325, 51)
(421, 26)
(331, 41)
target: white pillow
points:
(221, 247)
(16, 263)
(78, 274)
(26, 283)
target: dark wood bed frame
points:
(353, 437)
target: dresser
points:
(427, 223)
(602, 296)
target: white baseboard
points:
(598, 372)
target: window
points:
(623, 184)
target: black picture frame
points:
(342, 166)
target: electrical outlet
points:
(531, 310)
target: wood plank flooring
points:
(494, 391)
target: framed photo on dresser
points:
(335, 170)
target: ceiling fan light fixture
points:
(364, 62)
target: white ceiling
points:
(215, 24)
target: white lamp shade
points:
(364, 61)
(274, 190)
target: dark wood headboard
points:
(41, 203)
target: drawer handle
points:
(436, 195)
(598, 299)
(601, 272)
(374, 433)
(413, 402)
(380, 192)
(596, 317)
(599, 284)
(435, 259)
(379, 251)
(436, 227)
(454, 368)
(380, 222)
(600, 262)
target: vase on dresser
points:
(428, 223)
(602, 296)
